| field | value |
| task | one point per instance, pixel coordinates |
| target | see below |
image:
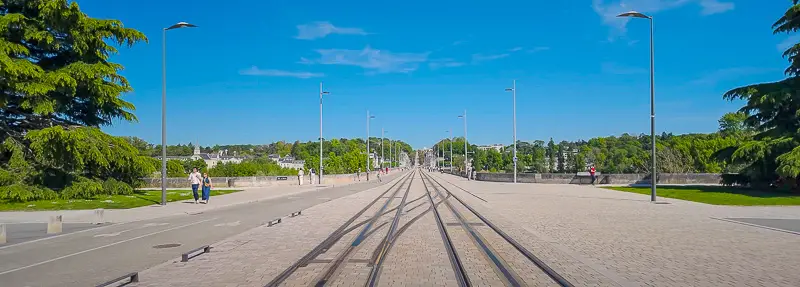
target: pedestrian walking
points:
(300, 176)
(592, 173)
(195, 179)
(311, 176)
(207, 185)
(358, 175)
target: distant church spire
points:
(197, 148)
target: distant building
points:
(211, 159)
(287, 161)
(497, 147)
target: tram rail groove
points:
(455, 261)
(560, 280)
(510, 277)
(387, 240)
(331, 270)
(333, 237)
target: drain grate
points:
(168, 245)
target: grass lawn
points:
(719, 195)
(139, 198)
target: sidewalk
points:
(247, 195)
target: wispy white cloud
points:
(716, 76)
(444, 63)
(715, 6)
(374, 61)
(477, 58)
(515, 49)
(788, 42)
(608, 10)
(255, 71)
(617, 69)
(538, 49)
(317, 30)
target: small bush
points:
(17, 192)
(114, 187)
(734, 179)
(6, 178)
(45, 194)
(83, 188)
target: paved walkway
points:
(590, 236)
(625, 237)
(247, 195)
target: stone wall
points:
(622, 179)
(260, 181)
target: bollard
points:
(3, 234)
(98, 216)
(54, 225)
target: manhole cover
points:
(170, 245)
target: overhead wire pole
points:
(451, 150)
(466, 156)
(383, 159)
(164, 107)
(321, 92)
(513, 89)
(653, 172)
(369, 156)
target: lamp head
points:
(633, 14)
(181, 25)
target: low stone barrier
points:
(262, 181)
(571, 178)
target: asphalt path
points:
(91, 256)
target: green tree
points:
(551, 155)
(57, 86)
(772, 110)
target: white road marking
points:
(112, 234)
(60, 235)
(154, 224)
(324, 198)
(104, 246)
(235, 223)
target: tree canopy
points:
(57, 87)
(773, 111)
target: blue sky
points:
(250, 73)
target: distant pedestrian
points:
(358, 175)
(311, 176)
(207, 185)
(195, 179)
(379, 175)
(592, 173)
(300, 176)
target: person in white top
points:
(300, 176)
(195, 178)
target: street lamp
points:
(164, 107)
(466, 157)
(653, 178)
(369, 117)
(513, 89)
(382, 158)
(451, 149)
(321, 93)
(390, 151)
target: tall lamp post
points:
(466, 157)
(390, 151)
(383, 159)
(164, 107)
(321, 93)
(369, 156)
(653, 173)
(513, 89)
(451, 149)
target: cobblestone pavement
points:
(589, 236)
(604, 237)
